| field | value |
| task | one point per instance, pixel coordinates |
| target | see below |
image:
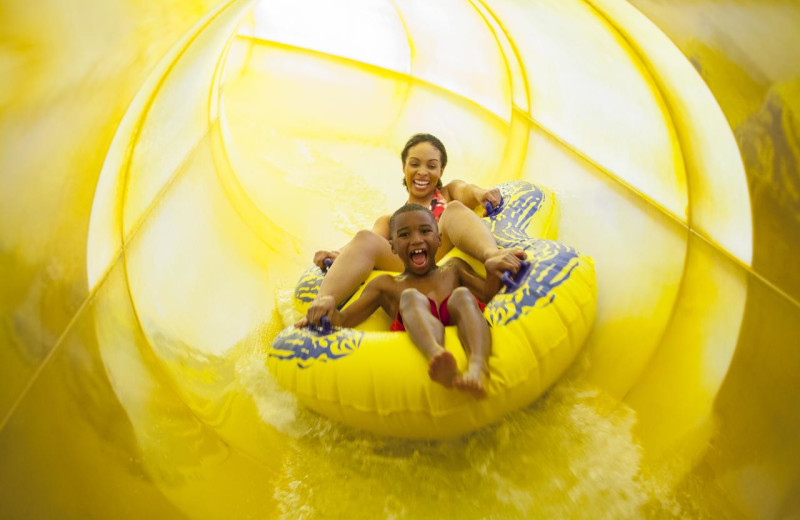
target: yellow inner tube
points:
(377, 381)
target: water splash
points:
(572, 454)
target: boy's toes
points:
(471, 383)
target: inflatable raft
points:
(377, 380)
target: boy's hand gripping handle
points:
(513, 282)
(324, 328)
(490, 211)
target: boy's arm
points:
(320, 307)
(365, 305)
(484, 290)
(357, 312)
(506, 260)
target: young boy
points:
(426, 297)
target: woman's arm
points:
(470, 194)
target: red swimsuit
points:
(438, 204)
(441, 313)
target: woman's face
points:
(423, 169)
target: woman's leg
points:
(427, 333)
(365, 252)
(473, 331)
(462, 228)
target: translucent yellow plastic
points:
(167, 168)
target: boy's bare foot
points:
(472, 381)
(443, 368)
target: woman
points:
(424, 159)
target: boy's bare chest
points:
(437, 286)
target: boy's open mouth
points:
(419, 257)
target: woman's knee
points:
(456, 214)
(367, 240)
(455, 207)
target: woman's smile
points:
(422, 184)
(422, 170)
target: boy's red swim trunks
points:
(441, 313)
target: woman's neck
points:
(426, 201)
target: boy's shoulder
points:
(385, 284)
(455, 262)
(384, 279)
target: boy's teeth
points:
(418, 256)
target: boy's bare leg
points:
(356, 261)
(427, 333)
(473, 331)
(462, 228)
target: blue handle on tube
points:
(513, 282)
(324, 328)
(490, 211)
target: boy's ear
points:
(391, 244)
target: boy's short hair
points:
(405, 209)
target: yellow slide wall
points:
(167, 170)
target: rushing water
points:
(571, 454)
